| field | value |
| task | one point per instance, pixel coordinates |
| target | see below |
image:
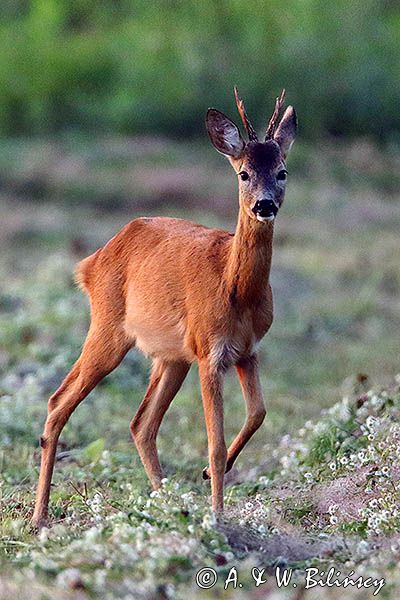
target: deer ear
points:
(224, 134)
(286, 130)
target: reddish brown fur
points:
(181, 293)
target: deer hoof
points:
(206, 473)
(36, 525)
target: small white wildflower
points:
(332, 466)
(363, 547)
(373, 503)
(91, 535)
(275, 531)
(333, 520)
(344, 460)
(261, 529)
(100, 577)
(332, 509)
(209, 521)
(371, 422)
(44, 534)
(105, 459)
(70, 578)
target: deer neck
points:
(249, 260)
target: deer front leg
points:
(211, 389)
(247, 371)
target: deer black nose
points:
(265, 208)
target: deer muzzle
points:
(265, 209)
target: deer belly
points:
(159, 338)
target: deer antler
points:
(273, 120)
(242, 112)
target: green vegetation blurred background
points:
(131, 66)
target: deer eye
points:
(244, 176)
(282, 175)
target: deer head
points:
(260, 166)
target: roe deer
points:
(181, 293)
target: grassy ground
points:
(311, 489)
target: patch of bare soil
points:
(278, 549)
(347, 492)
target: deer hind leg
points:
(165, 381)
(247, 371)
(102, 352)
(211, 388)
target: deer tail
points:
(84, 272)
